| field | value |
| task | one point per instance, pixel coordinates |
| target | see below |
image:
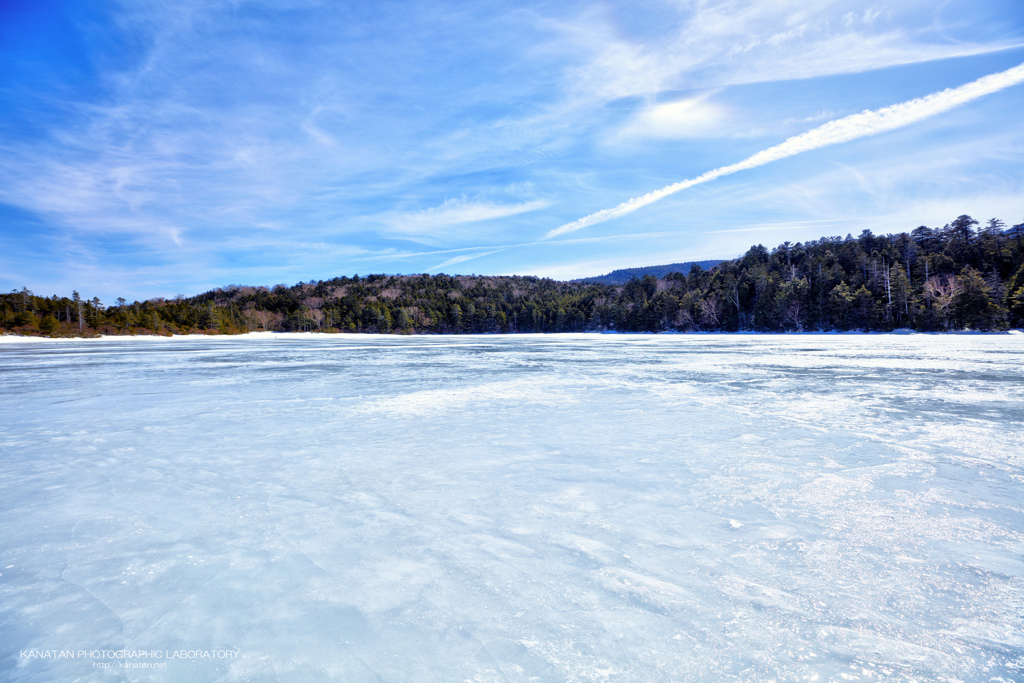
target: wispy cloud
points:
(435, 221)
(768, 227)
(723, 42)
(188, 141)
(495, 248)
(462, 259)
(841, 130)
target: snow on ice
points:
(563, 507)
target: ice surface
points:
(564, 507)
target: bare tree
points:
(794, 316)
(710, 310)
(317, 316)
(733, 295)
(261, 318)
(77, 298)
(942, 290)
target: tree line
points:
(961, 276)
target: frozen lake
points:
(552, 508)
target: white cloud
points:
(834, 132)
(694, 117)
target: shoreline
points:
(25, 339)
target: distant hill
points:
(624, 275)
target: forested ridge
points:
(961, 276)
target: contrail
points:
(848, 128)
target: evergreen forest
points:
(963, 276)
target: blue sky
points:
(149, 149)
